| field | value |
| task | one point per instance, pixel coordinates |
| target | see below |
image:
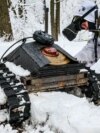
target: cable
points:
(23, 40)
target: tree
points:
(55, 18)
(46, 16)
(52, 18)
(5, 24)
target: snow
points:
(51, 112)
(96, 67)
(7, 129)
(2, 97)
(65, 112)
(18, 70)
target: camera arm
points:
(96, 34)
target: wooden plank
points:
(55, 83)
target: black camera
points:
(43, 37)
(72, 30)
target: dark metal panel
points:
(74, 60)
(34, 51)
(29, 56)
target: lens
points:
(70, 32)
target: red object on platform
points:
(50, 51)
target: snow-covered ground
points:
(52, 112)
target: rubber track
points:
(94, 85)
(18, 102)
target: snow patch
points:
(18, 70)
(96, 67)
(65, 113)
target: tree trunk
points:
(5, 25)
(55, 18)
(52, 17)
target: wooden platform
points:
(54, 83)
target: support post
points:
(96, 35)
